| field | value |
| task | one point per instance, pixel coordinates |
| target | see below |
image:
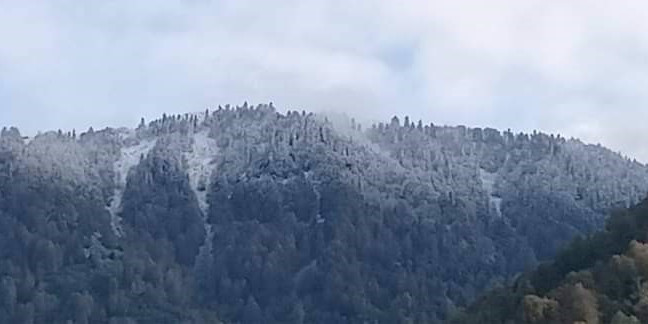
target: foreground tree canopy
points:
(602, 278)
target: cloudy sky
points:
(579, 68)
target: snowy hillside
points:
(253, 215)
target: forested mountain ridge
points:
(248, 215)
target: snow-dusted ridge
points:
(129, 157)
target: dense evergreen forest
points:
(602, 278)
(246, 215)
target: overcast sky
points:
(579, 68)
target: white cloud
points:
(575, 67)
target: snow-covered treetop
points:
(385, 156)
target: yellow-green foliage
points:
(599, 279)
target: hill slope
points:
(599, 279)
(258, 216)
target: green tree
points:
(538, 310)
(8, 294)
(621, 318)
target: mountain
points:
(247, 215)
(602, 278)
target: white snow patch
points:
(488, 185)
(496, 203)
(200, 162)
(318, 196)
(130, 157)
(126, 133)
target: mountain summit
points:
(244, 214)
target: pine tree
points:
(252, 312)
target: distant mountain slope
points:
(543, 187)
(600, 279)
(263, 217)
